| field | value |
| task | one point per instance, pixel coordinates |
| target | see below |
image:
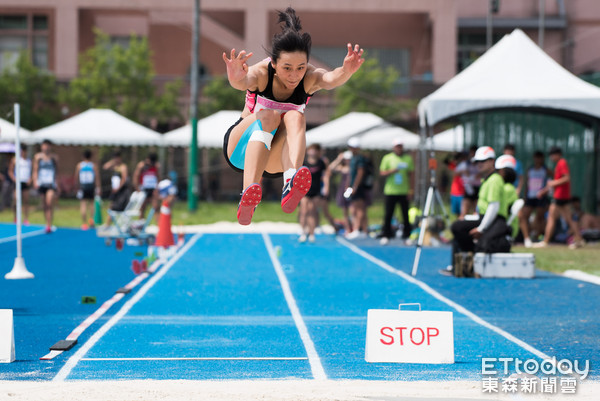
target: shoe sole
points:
(250, 199)
(300, 186)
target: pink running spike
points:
(250, 199)
(295, 190)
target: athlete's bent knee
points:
(262, 136)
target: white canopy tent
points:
(335, 133)
(515, 73)
(211, 130)
(450, 140)
(98, 127)
(8, 132)
(382, 138)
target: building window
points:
(122, 41)
(397, 58)
(24, 33)
(471, 45)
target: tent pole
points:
(596, 179)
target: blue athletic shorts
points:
(455, 204)
(239, 168)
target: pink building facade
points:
(429, 41)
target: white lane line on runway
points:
(72, 361)
(582, 276)
(313, 358)
(445, 300)
(201, 359)
(23, 236)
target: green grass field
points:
(554, 258)
(67, 213)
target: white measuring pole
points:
(19, 271)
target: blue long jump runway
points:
(251, 306)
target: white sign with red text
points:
(409, 336)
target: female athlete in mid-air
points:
(270, 136)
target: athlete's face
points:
(290, 68)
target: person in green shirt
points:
(490, 225)
(506, 165)
(398, 170)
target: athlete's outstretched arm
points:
(332, 79)
(240, 76)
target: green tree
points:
(111, 76)
(34, 89)
(219, 95)
(371, 90)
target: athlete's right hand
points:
(237, 68)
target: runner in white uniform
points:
(45, 165)
(24, 181)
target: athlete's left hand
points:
(353, 59)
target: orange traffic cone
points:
(180, 236)
(165, 235)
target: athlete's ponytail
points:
(290, 18)
(290, 39)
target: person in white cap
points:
(398, 170)
(506, 165)
(492, 209)
(270, 136)
(359, 190)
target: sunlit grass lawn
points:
(557, 258)
(67, 213)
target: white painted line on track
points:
(23, 236)
(201, 359)
(445, 300)
(582, 276)
(72, 361)
(313, 358)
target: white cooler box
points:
(504, 265)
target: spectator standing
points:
(145, 178)
(536, 178)
(457, 187)
(309, 205)
(341, 165)
(87, 180)
(472, 182)
(358, 191)
(561, 197)
(509, 149)
(25, 180)
(398, 170)
(119, 177)
(45, 166)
